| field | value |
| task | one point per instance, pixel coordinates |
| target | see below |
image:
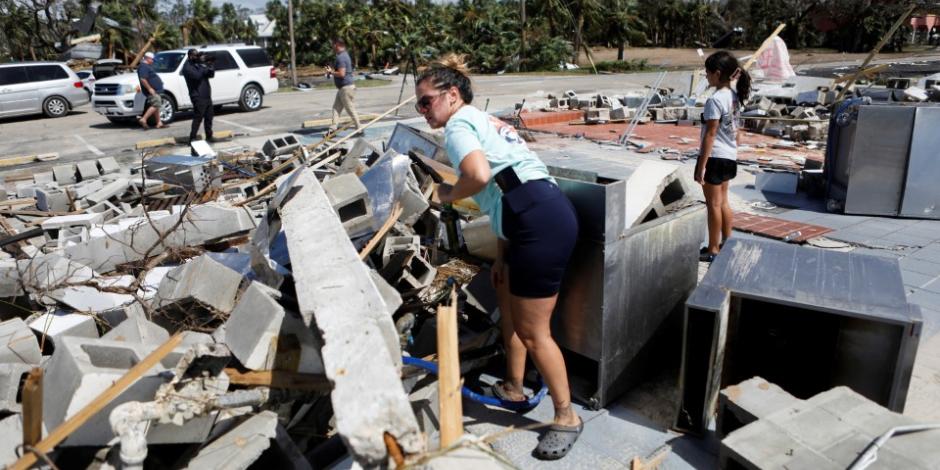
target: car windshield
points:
(166, 62)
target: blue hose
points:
(509, 405)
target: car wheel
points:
(55, 106)
(168, 109)
(251, 99)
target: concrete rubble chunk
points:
(240, 447)
(130, 239)
(398, 244)
(51, 198)
(190, 173)
(81, 368)
(202, 280)
(418, 274)
(43, 177)
(110, 190)
(88, 169)
(54, 278)
(829, 431)
(361, 352)
(18, 344)
(413, 203)
(58, 324)
(83, 189)
(264, 336)
(64, 174)
(137, 329)
(11, 376)
(651, 189)
(108, 165)
(10, 285)
(11, 431)
(350, 199)
(390, 295)
(280, 146)
(749, 401)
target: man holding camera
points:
(342, 71)
(197, 71)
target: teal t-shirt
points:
(470, 129)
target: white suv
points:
(243, 75)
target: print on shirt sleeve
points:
(507, 132)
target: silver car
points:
(50, 88)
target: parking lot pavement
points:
(84, 134)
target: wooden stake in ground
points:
(78, 419)
(448, 378)
(877, 49)
(32, 408)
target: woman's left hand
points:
(700, 175)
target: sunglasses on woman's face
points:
(425, 102)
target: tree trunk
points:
(620, 50)
(577, 38)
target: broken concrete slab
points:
(129, 240)
(83, 189)
(11, 431)
(110, 190)
(650, 189)
(390, 295)
(350, 199)
(242, 446)
(829, 431)
(336, 294)
(18, 344)
(749, 401)
(262, 335)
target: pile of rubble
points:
(289, 282)
(662, 106)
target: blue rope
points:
(509, 405)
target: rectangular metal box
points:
(803, 318)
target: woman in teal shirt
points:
(537, 228)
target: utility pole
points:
(290, 27)
(522, 18)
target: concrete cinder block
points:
(51, 199)
(202, 280)
(54, 278)
(137, 329)
(68, 221)
(350, 199)
(398, 244)
(280, 146)
(413, 202)
(190, 173)
(64, 174)
(361, 352)
(58, 324)
(18, 343)
(25, 189)
(597, 115)
(43, 177)
(88, 170)
(264, 336)
(83, 189)
(82, 368)
(11, 376)
(108, 165)
(418, 274)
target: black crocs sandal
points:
(706, 257)
(558, 441)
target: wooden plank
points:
(102, 400)
(146, 144)
(448, 379)
(764, 45)
(652, 461)
(329, 121)
(877, 49)
(18, 202)
(279, 379)
(32, 408)
(394, 450)
(180, 140)
(24, 159)
(374, 241)
(866, 73)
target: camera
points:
(203, 58)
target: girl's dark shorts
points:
(542, 228)
(719, 170)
